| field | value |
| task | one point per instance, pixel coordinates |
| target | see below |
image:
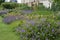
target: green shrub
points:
(55, 7)
(57, 15)
(24, 7)
(43, 29)
(11, 5)
(1, 1)
(41, 7)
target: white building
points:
(46, 3)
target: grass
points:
(6, 32)
(1, 7)
(43, 12)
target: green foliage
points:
(10, 5)
(6, 31)
(1, 1)
(45, 28)
(58, 16)
(56, 1)
(43, 31)
(39, 26)
(43, 12)
(41, 7)
(56, 5)
(1, 7)
(24, 7)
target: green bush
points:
(57, 16)
(10, 5)
(1, 1)
(24, 7)
(41, 7)
(55, 7)
(1, 8)
(43, 29)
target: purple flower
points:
(31, 22)
(9, 19)
(53, 30)
(23, 30)
(48, 25)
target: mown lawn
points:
(6, 32)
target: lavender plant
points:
(44, 29)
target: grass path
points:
(6, 32)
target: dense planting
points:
(2, 12)
(42, 31)
(24, 7)
(20, 22)
(38, 27)
(9, 19)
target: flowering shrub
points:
(42, 28)
(9, 19)
(2, 12)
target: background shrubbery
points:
(1, 1)
(55, 7)
(10, 5)
(24, 7)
